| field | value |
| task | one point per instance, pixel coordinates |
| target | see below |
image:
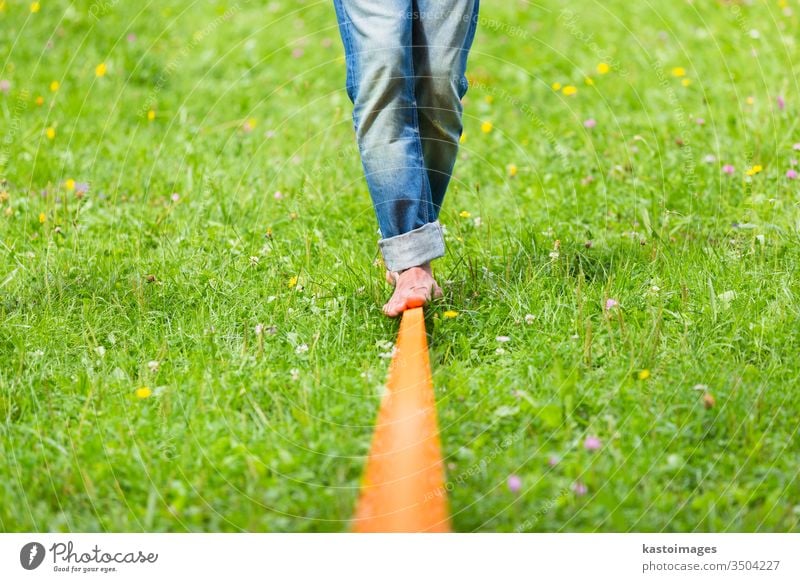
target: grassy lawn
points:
(190, 327)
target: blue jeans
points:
(405, 62)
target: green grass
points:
(249, 432)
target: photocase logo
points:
(31, 555)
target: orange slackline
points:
(403, 489)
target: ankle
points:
(424, 266)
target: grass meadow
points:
(191, 336)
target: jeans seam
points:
(467, 45)
(349, 53)
(415, 119)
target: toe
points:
(392, 309)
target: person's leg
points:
(443, 31)
(377, 37)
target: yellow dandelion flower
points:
(512, 170)
(2, 5)
(50, 132)
(603, 68)
(753, 170)
(643, 374)
(486, 126)
(151, 115)
(3, 196)
(678, 72)
(463, 137)
(35, 7)
(686, 82)
(143, 392)
(8, 211)
(589, 81)
(556, 86)
(101, 70)
(292, 282)
(749, 100)
(40, 101)
(450, 314)
(489, 99)
(464, 214)
(42, 218)
(569, 90)
(69, 184)
(54, 85)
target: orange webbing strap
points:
(403, 488)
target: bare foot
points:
(412, 288)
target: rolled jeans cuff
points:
(413, 248)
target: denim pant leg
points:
(443, 32)
(377, 37)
